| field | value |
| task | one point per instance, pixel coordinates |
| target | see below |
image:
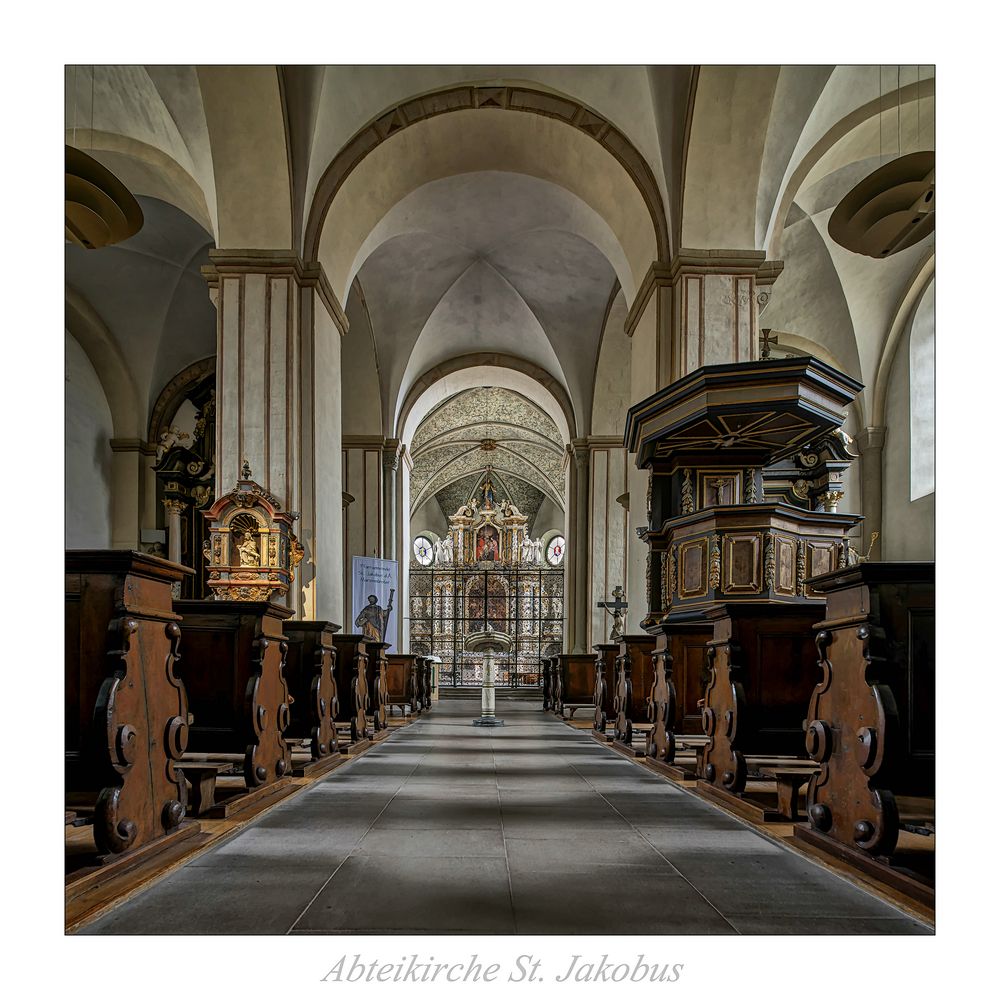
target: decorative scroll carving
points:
(715, 564)
(633, 680)
(661, 744)
(310, 672)
(378, 705)
(875, 647)
(673, 570)
(250, 548)
(687, 494)
(769, 563)
(723, 764)
(749, 486)
(665, 593)
(604, 697)
(126, 709)
(800, 567)
(268, 713)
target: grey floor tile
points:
(440, 895)
(224, 900)
(416, 843)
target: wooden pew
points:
(575, 684)
(378, 692)
(548, 702)
(126, 708)
(233, 669)
(604, 688)
(401, 682)
(425, 682)
(680, 672)
(352, 689)
(870, 725)
(633, 682)
(311, 675)
(762, 670)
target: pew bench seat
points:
(203, 776)
(789, 780)
(573, 706)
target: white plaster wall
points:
(643, 385)
(427, 517)
(907, 526)
(548, 518)
(328, 459)
(88, 454)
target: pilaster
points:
(871, 442)
(278, 403)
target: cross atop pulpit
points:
(617, 609)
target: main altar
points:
(486, 574)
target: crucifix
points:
(767, 341)
(617, 609)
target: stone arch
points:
(246, 126)
(554, 141)
(446, 379)
(919, 90)
(90, 332)
(174, 393)
(904, 311)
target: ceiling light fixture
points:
(893, 207)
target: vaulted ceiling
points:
(523, 446)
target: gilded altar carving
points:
(247, 550)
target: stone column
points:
(278, 404)
(390, 467)
(578, 540)
(871, 441)
(130, 491)
(174, 509)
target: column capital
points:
(390, 454)
(174, 506)
(871, 439)
(752, 264)
(307, 274)
(579, 448)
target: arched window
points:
(922, 397)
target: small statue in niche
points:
(249, 555)
(448, 549)
(206, 551)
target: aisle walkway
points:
(529, 829)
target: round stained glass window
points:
(423, 550)
(555, 550)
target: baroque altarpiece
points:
(487, 574)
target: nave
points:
(532, 828)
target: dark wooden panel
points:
(311, 675)
(871, 716)
(233, 667)
(352, 683)
(126, 708)
(633, 683)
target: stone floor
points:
(530, 829)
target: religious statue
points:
(373, 620)
(438, 551)
(206, 550)
(170, 437)
(527, 551)
(249, 556)
(448, 548)
(616, 609)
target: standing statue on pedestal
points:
(449, 549)
(373, 620)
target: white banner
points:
(374, 592)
